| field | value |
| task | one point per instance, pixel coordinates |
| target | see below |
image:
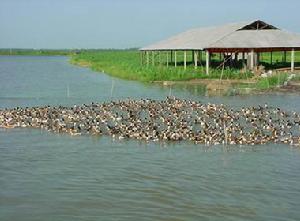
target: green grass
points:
(278, 56)
(127, 64)
(271, 82)
(297, 77)
(278, 59)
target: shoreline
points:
(225, 86)
(217, 85)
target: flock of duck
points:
(171, 119)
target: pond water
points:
(46, 176)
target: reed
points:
(272, 81)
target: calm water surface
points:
(45, 176)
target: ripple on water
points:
(45, 176)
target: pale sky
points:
(127, 23)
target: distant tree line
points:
(62, 52)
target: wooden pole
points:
(184, 60)
(167, 59)
(271, 57)
(284, 56)
(193, 55)
(207, 62)
(147, 54)
(159, 57)
(235, 58)
(175, 58)
(252, 60)
(196, 59)
(153, 58)
(200, 57)
(293, 60)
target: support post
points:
(193, 54)
(147, 55)
(284, 56)
(207, 62)
(175, 58)
(196, 59)
(293, 60)
(252, 60)
(236, 57)
(167, 58)
(153, 58)
(184, 60)
(141, 58)
(271, 57)
(200, 57)
(159, 57)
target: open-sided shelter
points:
(246, 38)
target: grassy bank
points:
(126, 64)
